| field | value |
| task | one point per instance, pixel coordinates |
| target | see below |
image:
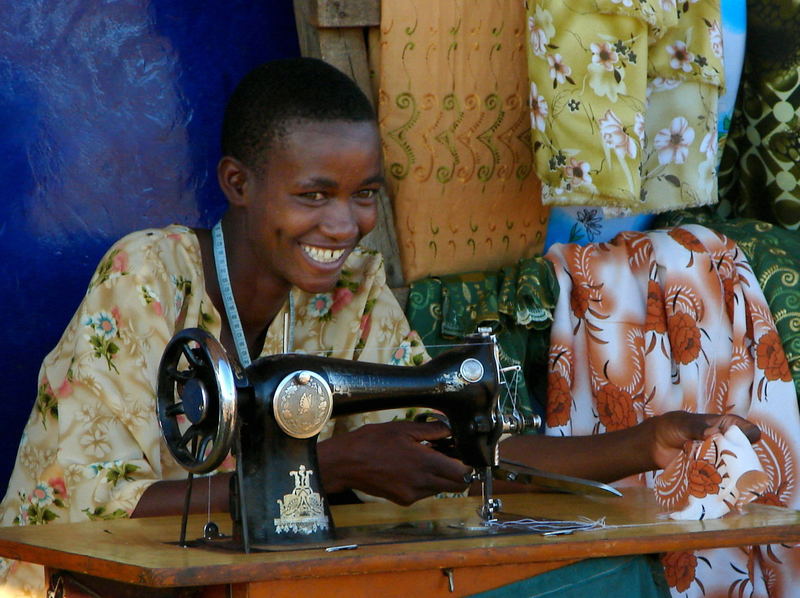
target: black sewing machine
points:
(270, 416)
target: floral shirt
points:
(92, 444)
(675, 319)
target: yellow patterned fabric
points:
(455, 126)
(624, 101)
(92, 444)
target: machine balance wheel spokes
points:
(196, 400)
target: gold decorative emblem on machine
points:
(303, 404)
(303, 510)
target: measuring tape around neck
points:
(226, 290)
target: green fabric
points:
(760, 168)
(517, 303)
(774, 255)
(629, 576)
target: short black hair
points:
(280, 91)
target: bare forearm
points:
(602, 457)
(168, 497)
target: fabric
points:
(633, 577)
(675, 319)
(589, 224)
(760, 170)
(719, 474)
(455, 126)
(92, 444)
(774, 255)
(624, 102)
(517, 302)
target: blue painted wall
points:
(109, 122)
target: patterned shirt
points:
(92, 444)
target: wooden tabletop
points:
(145, 551)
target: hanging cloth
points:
(624, 102)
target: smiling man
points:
(301, 170)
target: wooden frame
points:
(142, 557)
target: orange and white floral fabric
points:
(714, 477)
(675, 319)
(624, 101)
(92, 444)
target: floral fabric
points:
(774, 254)
(715, 476)
(92, 444)
(624, 102)
(760, 170)
(516, 302)
(675, 319)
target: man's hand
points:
(391, 460)
(673, 430)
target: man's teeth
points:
(325, 256)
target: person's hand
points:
(673, 430)
(391, 460)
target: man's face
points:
(314, 199)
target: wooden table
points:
(144, 552)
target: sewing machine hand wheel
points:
(205, 394)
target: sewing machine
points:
(270, 415)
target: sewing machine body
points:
(282, 402)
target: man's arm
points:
(168, 497)
(648, 446)
(395, 461)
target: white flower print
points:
(22, 510)
(604, 55)
(94, 441)
(320, 305)
(551, 194)
(87, 414)
(709, 144)
(614, 135)
(541, 28)
(625, 3)
(401, 355)
(681, 57)
(707, 181)
(577, 171)
(42, 495)
(538, 108)
(673, 143)
(559, 71)
(661, 84)
(103, 323)
(668, 5)
(715, 33)
(29, 457)
(638, 126)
